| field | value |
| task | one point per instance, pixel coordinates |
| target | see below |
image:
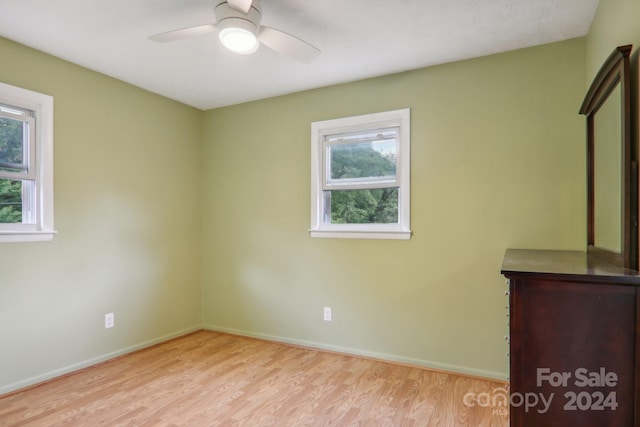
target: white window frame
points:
(40, 199)
(322, 129)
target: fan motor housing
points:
(226, 16)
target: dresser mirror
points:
(611, 164)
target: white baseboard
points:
(304, 343)
(94, 361)
(480, 373)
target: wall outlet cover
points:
(109, 320)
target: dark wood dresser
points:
(574, 340)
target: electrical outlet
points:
(109, 320)
(327, 314)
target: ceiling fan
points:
(239, 29)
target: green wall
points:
(615, 24)
(127, 209)
(497, 162)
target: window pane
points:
(363, 159)
(12, 148)
(372, 206)
(10, 201)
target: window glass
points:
(369, 155)
(10, 201)
(16, 158)
(13, 145)
(370, 206)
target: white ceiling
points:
(358, 39)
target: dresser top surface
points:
(564, 264)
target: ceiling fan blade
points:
(241, 5)
(183, 33)
(288, 45)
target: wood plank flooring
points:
(214, 379)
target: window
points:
(26, 165)
(360, 170)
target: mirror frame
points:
(615, 70)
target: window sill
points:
(26, 236)
(368, 234)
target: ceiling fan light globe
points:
(238, 40)
(238, 35)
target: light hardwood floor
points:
(214, 379)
